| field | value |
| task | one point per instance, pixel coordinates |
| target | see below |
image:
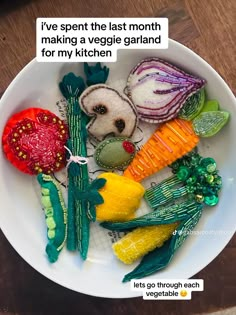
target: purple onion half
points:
(159, 89)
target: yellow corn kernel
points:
(142, 240)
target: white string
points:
(75, 158)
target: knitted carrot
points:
(168, 143)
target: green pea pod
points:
(55, 214)
(161, 257)
(166, 215)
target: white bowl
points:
(22, 220)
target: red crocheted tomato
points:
(33, 141)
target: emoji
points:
(183, 293)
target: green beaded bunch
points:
(200, 176)
(194, 176)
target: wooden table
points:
(207, 27)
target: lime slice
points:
(207, 124)
(211, 106)
(192, 106)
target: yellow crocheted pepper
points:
(142, 240)
(121, 196)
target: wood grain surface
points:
(207, 27)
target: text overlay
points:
(167, 289)
(97, 39)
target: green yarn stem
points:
(159, 258)
(166, 215)
(58, 212)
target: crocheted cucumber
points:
(55, 214)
